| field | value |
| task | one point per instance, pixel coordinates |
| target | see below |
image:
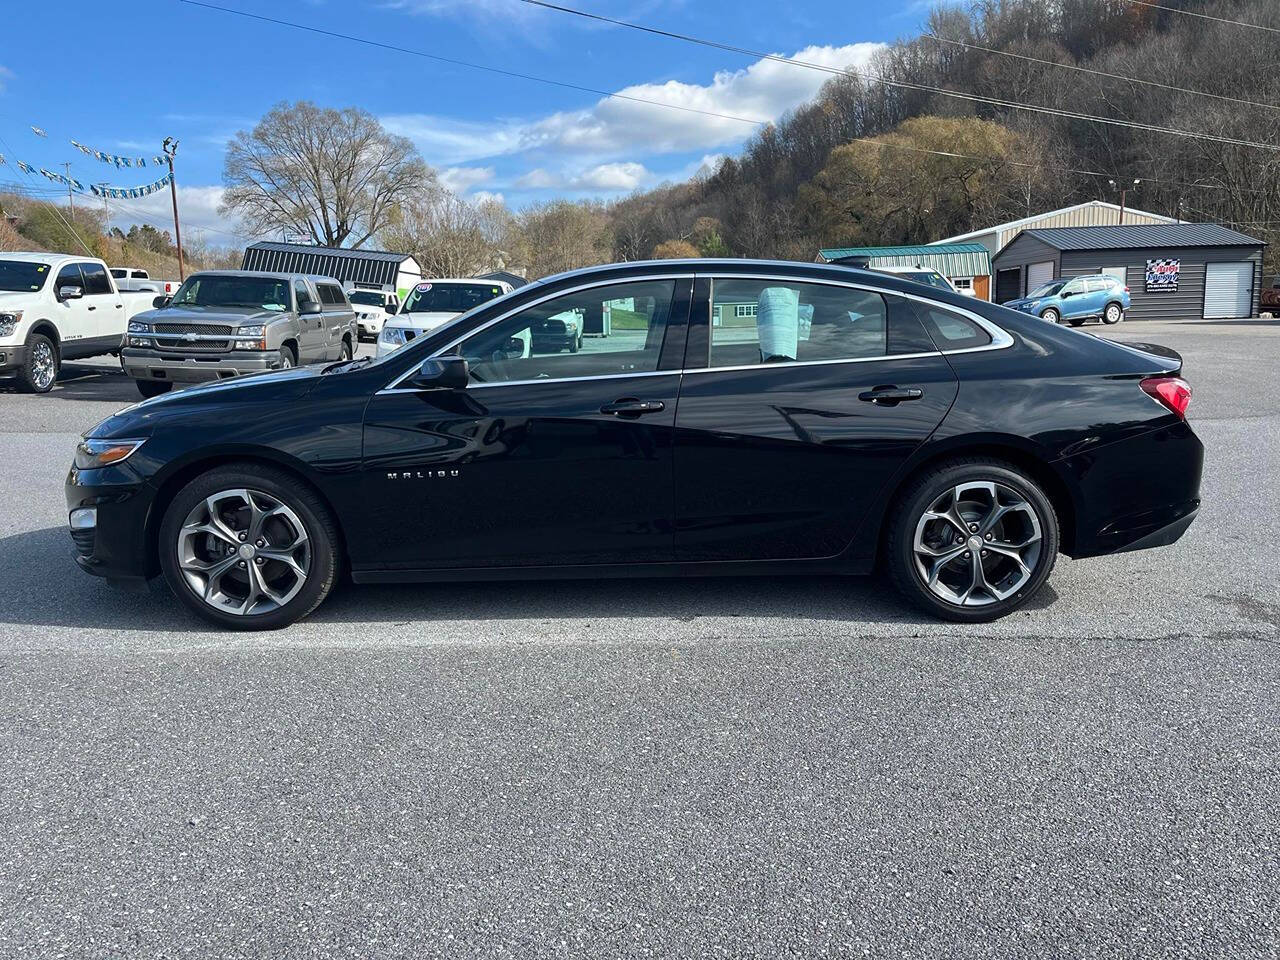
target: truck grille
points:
(208, 328)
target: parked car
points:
(1271, 296)
(56, 307)
(224, 323)
(137, 279)
(561, 332)
(372, 307)
(884, 436)
(433, 303)
(1077, 299)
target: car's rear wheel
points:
(1051, 315)
(153, 388)
(972, 540)
(1112, 314)
(248, 547)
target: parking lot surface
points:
(664, 768)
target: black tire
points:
(1051, 315)
(345, 353)
(39, 372)
(153, 388)
(1114, 313)
(574, 344)
(288, 358)
(306, 505)
(922, 493)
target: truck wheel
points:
(287, 358)
(40, 371)
(345, 353)
(153, 388)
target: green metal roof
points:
(949, 259)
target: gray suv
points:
(222, 323)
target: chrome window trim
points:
(616, 281)
(1000, 338)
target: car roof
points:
(266, 274)
(40, 256)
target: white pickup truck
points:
(56, 307)
(136, 279)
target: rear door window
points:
(777, 321)
(96, 281)
(950, 330)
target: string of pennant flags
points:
(112, 158)
(97, 189)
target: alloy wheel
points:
(244, 552)
(43, 367)
(978, 543)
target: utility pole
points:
(170, 149)
(1124, 188)
(71, 199)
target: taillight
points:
(1173, 392)
(1126, 289)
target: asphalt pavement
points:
(674, 768)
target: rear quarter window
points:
(952, 331)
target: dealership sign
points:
(1162, 275)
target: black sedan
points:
(719, 417)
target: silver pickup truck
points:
(222, 323)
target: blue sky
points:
(216, 73)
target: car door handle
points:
(888, 396)
(92, 307)
(119, 306)
(629, 406)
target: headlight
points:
(1033, 304)
(251, 338)
(137, 326)
(9, 322)
(140, 342)
(393, 335)
(92, 454)
(254, 332)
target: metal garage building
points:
(1173, 271)
(966, 265)
(356, 269)
(1092, 213)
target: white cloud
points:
(605, 178)
(197, 208)
(613, 128)
(462, 179)
(710, 115)
(484, 196)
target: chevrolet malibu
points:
(721, 417)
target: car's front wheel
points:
(40, 371)
(972, 540)
(248, 547)
(1051, 315)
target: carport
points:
(1173, 270)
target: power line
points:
(904, 84)
(1205, 16)
(1101, 73)
(473, 66)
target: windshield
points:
(1048, 290)
(18, 276)
(259, 293)
(449, 297)
(368, 298)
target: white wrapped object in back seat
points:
(778, 323)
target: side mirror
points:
(160, 301)
(310, 308)
(390, 308)
(70, 292)
(442, 373)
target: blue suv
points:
(1077, 299)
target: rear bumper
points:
(1138, 493)
(153, 365)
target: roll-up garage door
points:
(1039, 274)
(1228, 290)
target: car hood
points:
(142, 418)
(17, 300)
(420, 321)
(1020, 302)
(228, 316)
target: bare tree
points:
(450, 236)
(334, 175)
